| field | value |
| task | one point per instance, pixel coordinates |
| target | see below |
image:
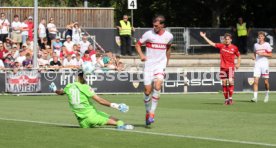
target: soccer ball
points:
(88, 68)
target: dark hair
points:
(227, 35)
(15, 16)
(159, 18)
(81, 77)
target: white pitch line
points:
(150, 133)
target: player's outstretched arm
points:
(203, 35)
(121, 107)
(269, 55)
(53, 88)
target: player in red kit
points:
(228, 52)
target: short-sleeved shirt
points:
(262, 48)
(5, 29)
(16, 25)
(227, 55)
(156, 48)
(79, 96)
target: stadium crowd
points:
(55, 53)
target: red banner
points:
(23, 82)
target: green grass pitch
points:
(193, 120)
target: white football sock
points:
(255, 94)
(155, 98)
(147, 102)
(267, 93)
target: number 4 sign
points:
(132, 4)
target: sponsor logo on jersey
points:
(156, 45)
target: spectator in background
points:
(43, 60)
(69, 29)
(52, 29)
(86, 57)
(69, 44)
(69, 62)
(75, 49)
(79, 60)
(44, 43)
(57, 45)
(9, 44)
(125, 29)
(4, 27)
(9, 60)
(2, 66)
(42, 30)
(63, 52)
(31, 28)
(76, 33)
(21, 57)
(27, 49)
(242, 32)
(16, 30)
(84, 44)
(119, 65)
(30, 44)
(99, 59)
(28, 62)
(25, 30)
(3, 51)
(109, 60)
(55, 63)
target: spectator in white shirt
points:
(84, 44)
(69, 44)
(42, 30)
(4, 27)
(52, 29)
(25, 30)
(69, 62)
(79, 61)
(16, 30)
(43, 61)
(21, 57)
(76, 33)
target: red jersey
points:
(227, 55)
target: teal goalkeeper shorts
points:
(93, 119)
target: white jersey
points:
(260, 48)
(156, 47)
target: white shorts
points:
(151, 75)
(261, 69)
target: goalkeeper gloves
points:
(52, 87)
(121, 107)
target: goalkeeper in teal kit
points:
(79, 94)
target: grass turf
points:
(178, 116)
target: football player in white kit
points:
(262, 51)
(158, 42)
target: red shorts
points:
(227, 73)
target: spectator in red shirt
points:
(31, 28)
(3, 51)
(228, 52)
(86, 57)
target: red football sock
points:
(231, 90)
(225, 91)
